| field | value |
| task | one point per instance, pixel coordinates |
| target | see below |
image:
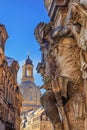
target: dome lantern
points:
(28, 61)
(27, 70)
(30, 92)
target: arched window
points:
(28, 73)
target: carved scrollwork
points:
(64, 49)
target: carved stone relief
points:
(65, 66)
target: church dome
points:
(30, 92)
(31, 96)
(28, 61)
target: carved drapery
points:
(64, 65)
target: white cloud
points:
(20, 71)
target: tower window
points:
(28, 72)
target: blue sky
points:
(20, 17)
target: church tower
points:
(30, 92)
(27, 70)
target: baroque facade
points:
(10, 97)
(63, 43)
(30, 92)
(36, 120)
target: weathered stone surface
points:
(84, 3)
(10, 97)
(63, 43)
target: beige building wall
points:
(10, 97)
(46, 125)
(36, 120)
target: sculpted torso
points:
(68, 48)
(68, 59)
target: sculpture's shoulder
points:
(84, 3)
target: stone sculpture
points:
(63, 43)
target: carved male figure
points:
(67, 45)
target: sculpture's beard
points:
(84, 3)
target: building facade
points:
(63, 44)
(36, 120)
(10, 97)
(33, 117)
(30, 92)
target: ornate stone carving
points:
(64, 51)
(8, 83)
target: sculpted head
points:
(39, 32)
(42, 31)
